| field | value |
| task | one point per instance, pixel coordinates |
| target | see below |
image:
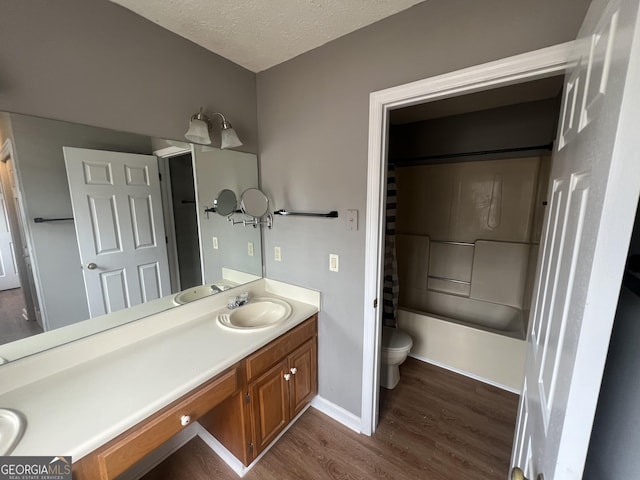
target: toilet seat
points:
(394, 340)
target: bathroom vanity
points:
(110, 399)
(245, 407)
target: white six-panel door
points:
(119, 225)
(8, 268)
(595, 182)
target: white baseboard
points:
(466, 374)
(339, 414)
(221, 451)
(161, 453)
(227, 457)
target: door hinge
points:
(251, 447)
(247, 398)
(375, 303)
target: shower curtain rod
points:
(430, 158)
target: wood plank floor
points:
(435, 425)
(13, 326)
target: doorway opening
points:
(19, 312)
(537, 65)
(179, 203)
(471, 174)
(185, 221)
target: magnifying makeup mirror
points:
(225, 203)
(254, 203)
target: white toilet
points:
(395, 348)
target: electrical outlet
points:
(215, 243)
(250, 249)
(277, 254)
(334, 262)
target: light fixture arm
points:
(224, 124)
(209, 118)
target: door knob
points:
(92, 266)
(517, 474)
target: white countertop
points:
(128, 373)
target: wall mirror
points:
(51, 172)
(254, 203)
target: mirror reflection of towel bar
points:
(43, 220)
(453, 280)
(332, 214)
(447, 242)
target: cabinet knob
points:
(294, 370)
(287, 376)
(185, 420)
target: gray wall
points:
(313, 126)
(96, 63)
(40, 164)
(521, 125)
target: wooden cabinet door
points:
(270, 405)
(303, 383)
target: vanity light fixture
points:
(199, 127)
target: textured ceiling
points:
(259, 34)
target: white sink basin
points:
(12, 427)
(258, 313)
(196, 293)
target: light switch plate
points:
(215, 243)
(277, 254)
(334, 262)
(250, 249)
(352, 219)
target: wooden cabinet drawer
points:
(121, 453)
(261, 361)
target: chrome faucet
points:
(235, 302)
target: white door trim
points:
(168, 152)
(527, 66)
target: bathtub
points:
(482, 340)
(492, 317)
